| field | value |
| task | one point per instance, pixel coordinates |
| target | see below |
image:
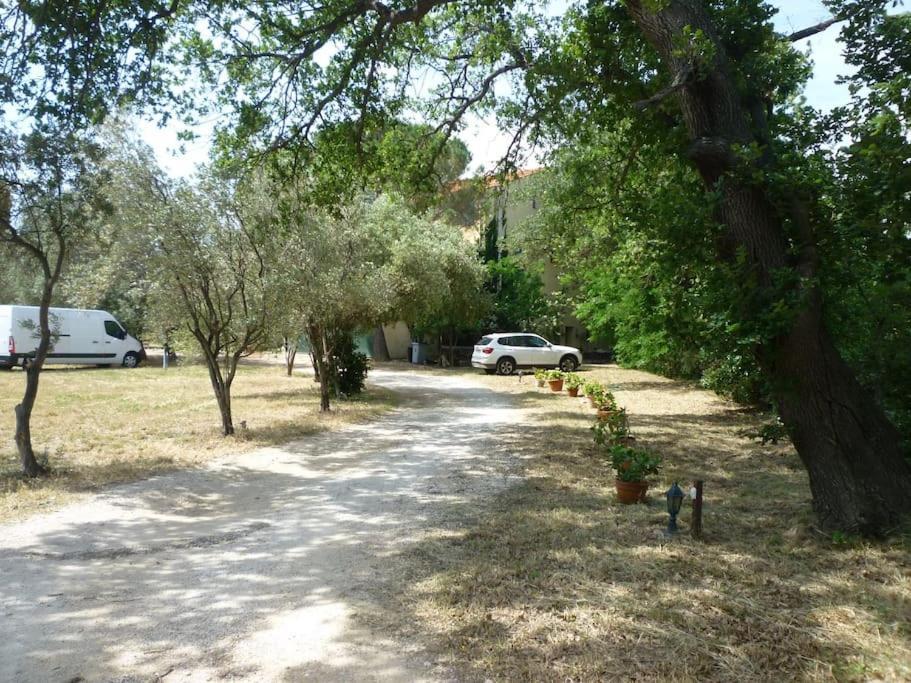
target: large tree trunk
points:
(30, 465)
(858, 475)
(320, 352)
(220, 388)
(380, 348)
(223, 396)
(290, 354)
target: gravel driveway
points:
(258, 567)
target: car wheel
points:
(131, 360)
(506, 366)
(568, 363)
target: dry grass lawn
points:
(98, 426)
(556, 581)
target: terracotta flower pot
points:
(629, 492)
(573, 391)
(555, 384)
(591, 400)
(604, 414)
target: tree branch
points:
(683, 78)
(813, 30)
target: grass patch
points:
(556, 581)
(100, 426)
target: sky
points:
(487, 143)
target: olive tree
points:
(47, 188)
(63, 67)
(204, 245)
(371, 261)
(714, 80)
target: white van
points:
(84, 337)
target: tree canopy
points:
(743, 217)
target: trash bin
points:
(418, 353)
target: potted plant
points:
(573, 383)
(555, 380)
(613, 429)
(594, 391)
(540, 376)
(632, 466)
(606, 405)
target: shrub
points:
(349, 368)
(633, 464)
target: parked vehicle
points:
(504, 353)
(79, 336)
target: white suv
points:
(503, 353)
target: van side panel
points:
(6, 331)
(81, 337)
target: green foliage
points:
(554, 375)
(770, 432)
(597, 392)
(633, 464)
(348, 366)
(20, 282)
(73, 63)
(383, 156)
(573, 381)
(612, 426)
(518, 300)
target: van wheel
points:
(506, 366)
(131, 360)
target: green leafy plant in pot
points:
(540, 376)
(632, 466)
(606, 405)
(613, 429)
(573, 383)
(555, 380)
(594, 391)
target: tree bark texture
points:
(290, 354)
(221, 384)
(321, 362)
(30, 465)
(859, 477)
(380, 348)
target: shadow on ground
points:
(555, 581)
(411, 549)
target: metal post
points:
(697, 510)
(164, 357)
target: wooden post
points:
(696, 525)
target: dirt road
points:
(258, 567)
